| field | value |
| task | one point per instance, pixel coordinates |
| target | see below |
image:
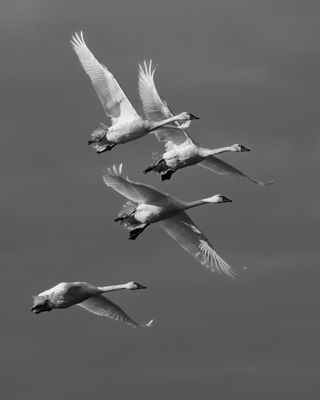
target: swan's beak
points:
(193, 116)
(243, 148)
(139, 286)
(226, 200)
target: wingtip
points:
(260, 183)
(114, 170)
(149, 324)
(77, 39)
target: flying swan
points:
(180, 150)
(89, 297)
(147, 205)
(126, 125)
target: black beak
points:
(226, 200)
(243, 148)
(193, 116)
(139, 286)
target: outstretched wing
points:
(102, 306)
(134, 191)
(114, 101)
(182, 229)
(221, 167)
(156, 109)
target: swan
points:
(147, 205)
(180, 150)
(89, 297)
(126, 125)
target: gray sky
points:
(250, 70)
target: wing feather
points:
(134, 191)
(156, 109)
(114, 101)
(182, 229)
(102, 306)
(221, 167)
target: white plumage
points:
(89, 297)
(149, 205)
(180, 150)
(127, 125)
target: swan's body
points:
(180, 150)
(147, 206)
(67, 294)
(127, 125)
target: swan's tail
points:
(99, 139)
(98, 134)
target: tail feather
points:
(98, 134)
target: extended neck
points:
(209, 152)
(196, 203)
(112, 288)
(157, 125)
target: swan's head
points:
(41, 304)
(186, 116)
(135, 286)
(239, 148)
(218, 198)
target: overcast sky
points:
(250, 70)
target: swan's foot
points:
(167, 175)
(123, 217)
(157, 167)
(149, 169)
(136, 232)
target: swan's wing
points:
(114, 101)
(156, 109)
(134, 191)
(221, 167)
(102, 306)
(182, 229)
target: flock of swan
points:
(145, 205)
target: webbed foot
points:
(136, 232)
(167, 175)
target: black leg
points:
(108, 148)
(136, 232)
(167, 175)
(149, 169)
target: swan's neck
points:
(112, 288)
(159, 124)
(196, 203)
(209, 152)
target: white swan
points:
(89, 297)
(181, 150)
(147, 205)
(127, 125)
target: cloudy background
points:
(250, 70)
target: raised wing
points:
(221, 167)
(134, 191)
(102, 306)
(182, 229)
(156, 109)
(114, 101)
